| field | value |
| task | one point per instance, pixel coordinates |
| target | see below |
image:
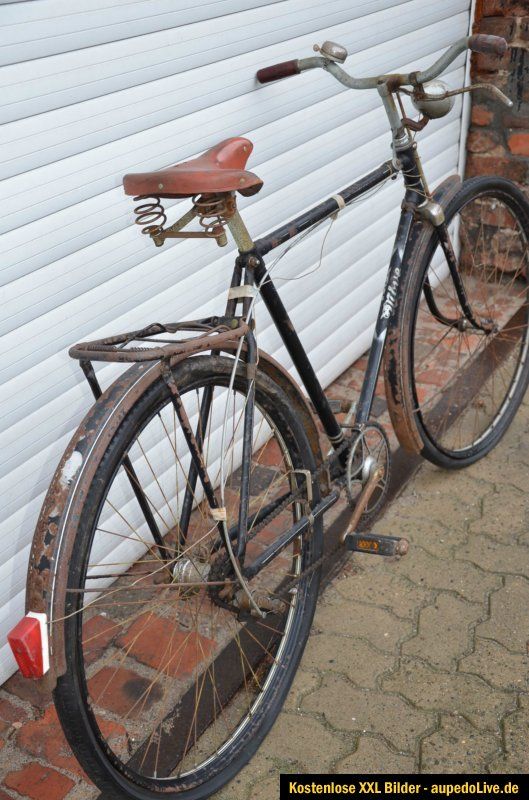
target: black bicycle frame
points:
(414, 194)
(250, 269)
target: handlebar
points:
(479, 43)
(283, 70)
(483, 43)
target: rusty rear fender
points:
(60, 514)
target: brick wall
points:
(498, 141)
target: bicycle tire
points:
(70, 695)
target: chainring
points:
(369, 449)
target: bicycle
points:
(175, 567)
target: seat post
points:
(239, 231)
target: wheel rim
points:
(151, 646)
(463, 378)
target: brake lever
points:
(488, 87)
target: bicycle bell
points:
(332, 51)
(431, 99)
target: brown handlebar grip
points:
(483, 43)
(277, 71)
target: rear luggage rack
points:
(211, 333)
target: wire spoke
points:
(168, 610)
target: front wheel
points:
(455, 386)
(168, 689)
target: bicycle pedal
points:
(376, 544)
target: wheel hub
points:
(189, 571)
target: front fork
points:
(469, 319)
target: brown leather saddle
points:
(219, 169)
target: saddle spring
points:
(150, 215)
(212, 211)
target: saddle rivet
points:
(160, 186)
(241, 180)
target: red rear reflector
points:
(29, 642)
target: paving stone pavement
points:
(420, 665)
(414, 665)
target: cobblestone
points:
(505, 515)
(443, 631)
(497, 557)
(353, 657)
(383, 588)
(497, 665)
(357, 710)
(515, 756)
(374, 756)
(379, 627)
(458, 747)
(431, 689)
(305, 682)
(303, 739)
(465, 579)
(508, 622)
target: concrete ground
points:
(417, 665)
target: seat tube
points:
(296, 351)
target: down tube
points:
(387, 305)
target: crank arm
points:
(365, 496)
(266, 603)
(372, 542)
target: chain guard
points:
(220, 569)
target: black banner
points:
(411, 787)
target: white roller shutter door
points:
(96, 89)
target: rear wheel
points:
(459, 386)
(168, 689)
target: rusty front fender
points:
(419, 240)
